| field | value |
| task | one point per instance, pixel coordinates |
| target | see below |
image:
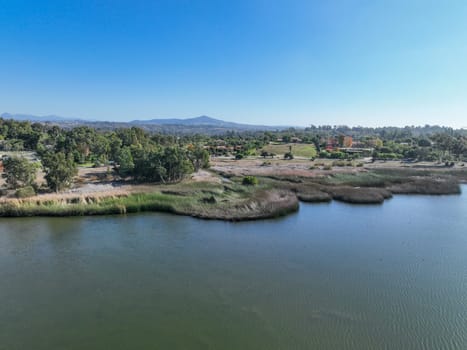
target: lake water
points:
(332, 276)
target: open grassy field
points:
(298, 149)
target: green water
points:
(332, 276)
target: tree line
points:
(134, 154)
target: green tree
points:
(125, 163)
(115, 144)
(170, 164)
(59, 170)
(444, 143)
(100, 148)
(176, 164)
(199, 157)
(423, 142)
(459, 147)
(19, 172)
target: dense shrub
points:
(250, 181)
(25, 192)
(386, 155)
(338, 155)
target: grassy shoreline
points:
(376, 186)
(201, 200)
(228, 199)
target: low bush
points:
(338, 155)
(25, 192)
(250, 181)
(339, 163)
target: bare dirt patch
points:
(205, 176)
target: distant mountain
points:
(199, 125)
(201, 121)
(177, 121)
(35, 118)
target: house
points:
(295, 140)
(347, 142)
(335, 142)
(332, 143)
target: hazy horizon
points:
(229, 121)
(341, 62)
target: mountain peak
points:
(201, 120)
(201, 123)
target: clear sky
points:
(277, 62)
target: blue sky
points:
(372, 62)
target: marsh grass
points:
(363, 179)
(230, 200)
(204, 200)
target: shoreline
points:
(220, 196)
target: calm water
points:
(333, 276)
